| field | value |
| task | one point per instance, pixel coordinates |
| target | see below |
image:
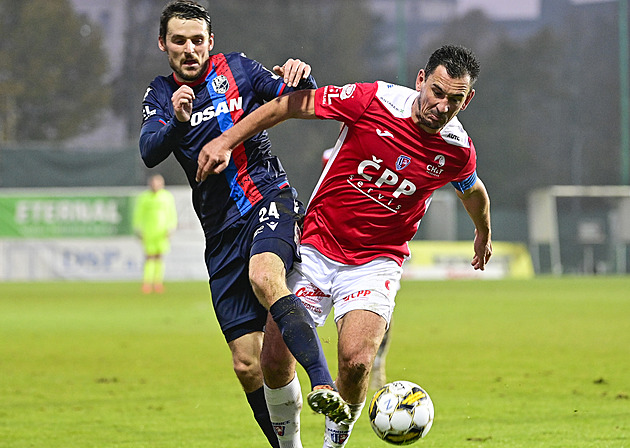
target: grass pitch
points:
(540, 363)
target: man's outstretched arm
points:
(477, 203)
(215, 155)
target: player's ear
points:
(470, 96)
(211, 42)
(420, 79)
(161, 45)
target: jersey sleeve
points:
(466, 183)
(267, 84)
(345, 104)
(158, 135)
(468, 175)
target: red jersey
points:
(378, 184)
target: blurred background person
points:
(154, 219)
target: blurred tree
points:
(334, 37)
(515, 121)
(543, 103)
(146, 61)
(51, 61)
(591, 75)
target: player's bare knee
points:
(355, 370)
(268, 286)
(248, 373)
(245, 362)
(268, 278)
(260, 278)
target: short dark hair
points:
(183, 9)
(458, 61)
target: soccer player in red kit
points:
(397, 146)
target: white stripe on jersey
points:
(331, 159)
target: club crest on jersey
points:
(402, 162)
(220, 84)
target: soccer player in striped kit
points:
(249, 213)
(396, 147)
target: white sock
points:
(285, 404)
(337, 434)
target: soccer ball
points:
(401, 412)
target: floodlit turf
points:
(541, 363)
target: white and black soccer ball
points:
(401, 412)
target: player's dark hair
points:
(458, 61)
(183, 9)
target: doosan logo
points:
(211, 112)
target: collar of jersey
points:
(198, 81)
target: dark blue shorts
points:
(272, 226)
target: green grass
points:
(540, 363)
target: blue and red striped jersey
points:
(233, 87)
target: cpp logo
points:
(386, 177)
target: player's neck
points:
(196, 82)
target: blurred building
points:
(113, 18)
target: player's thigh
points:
(153, 245)
(163, 246)
(360, 333)
(236, 307)
(268, 277)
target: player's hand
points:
(483, 251)
(183, 103)
(293, 71)
(213, 158)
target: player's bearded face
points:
(441, 98)
(430, 117)
(188, 46)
